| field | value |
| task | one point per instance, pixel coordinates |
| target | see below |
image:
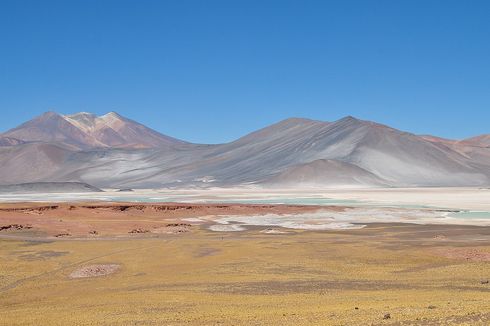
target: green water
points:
(141, 199)
(293, 201)
(284, 199)
(471, 214)
(273, 200)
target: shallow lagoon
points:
(350, 218)
(471, 215)
(365, 212)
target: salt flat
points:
(455, 197)
(474, 203)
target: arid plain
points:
(162, 263)
(244, 163)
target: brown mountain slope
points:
(481, 141)
(9, 141)
(85, 131)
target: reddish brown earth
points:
(472, 254)
(70, 220)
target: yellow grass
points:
(248, 278)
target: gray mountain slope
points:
(354, 146)
(321, 173)
(399, 158)
(31, 162)
(406, 159)
(473, 150)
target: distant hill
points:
(48, 187)
(324, 172)
(483, 141)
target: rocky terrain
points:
(96, 220)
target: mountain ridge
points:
(85, 130)
(113, 151)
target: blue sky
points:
(211, 71)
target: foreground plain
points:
(393, 274)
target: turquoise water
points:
(192, 198)
(293, 201)
(155, 197)
(471, 214)
(290, 201)
(410, 206)
(144, 199)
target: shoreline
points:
(123, 220)
(459, 198)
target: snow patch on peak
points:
(89, 122)
(84, 121)
(111, 120)
(111, 115)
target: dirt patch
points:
(471, 254)
(14, 227)
(62, 235)
(206, 251)
(138, 230)
(30, 210)
(42, 255)
(95, 271)
(173, 228)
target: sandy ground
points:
(352, 277)
(159, 264)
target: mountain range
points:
(114, 151)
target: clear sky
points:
(211, 71)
